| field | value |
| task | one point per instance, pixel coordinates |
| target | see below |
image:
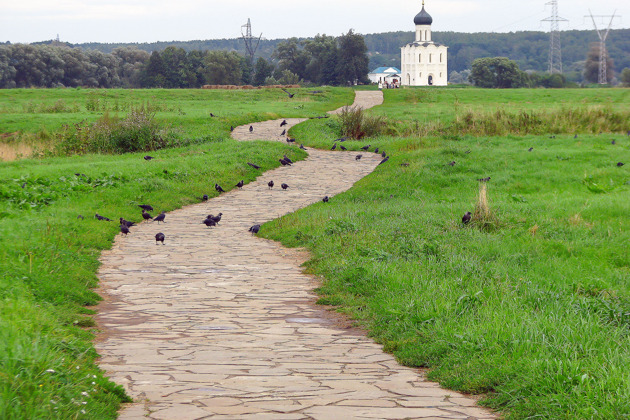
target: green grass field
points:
(531, 309)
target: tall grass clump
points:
(483, 216)
(357, 124)
(137, 132)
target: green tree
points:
(625, 77)
(262, 70)
(291, 57)
(222, 68)
(352, 59)
(591, 67)
(318, 50)
(153, 73)
(496, 72)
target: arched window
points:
(420, 58)
(440, 57)
(426, 38)
(430, 57)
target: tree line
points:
(324, 59)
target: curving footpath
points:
(218, 323)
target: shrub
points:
(355, 123)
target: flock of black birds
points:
(126, 224)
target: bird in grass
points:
(251, 128)
(291, 95)
(484, 179)
(384, 160)
(231, 128)
(284, 186)
(283, 123)
(240, 184)
(284, 162)
(253, 165)
(204, 197)
(209, 222)
(383, 154)
(334, 146)
(358, 157)
(342, 148)
(302, 147)
(376, 150)
(160, 218)
(270, 184)
(218, 188)
(80, 217)
(126, 222)
(283, 132)
(254, 229)
(287, 159)
(212, 115)
(147, 157)
(325, 199)
(366, 147)
(159, 238)
(452, 163)
(613, 142)
(575, 137)
(466, 218)
(99, 217)
(124, 229)
(620, 164)
(145, 215)
(146, 207)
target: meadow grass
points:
(534, 312)
(49, 255)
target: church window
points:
(420, 58)
(430, 57)
(426, 38)
(440, 57)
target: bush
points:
(356, 124)
(137, 132)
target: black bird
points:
(254, 229)
(205, 197)
(284, 186)
(484, 179)
(126, 222)
(240, 184)
(342, 139)
(147, 157)
(124, 229)
(209, 222)
(146, 207)
(253, 165)
(383, 154)
(384, 160)
(302, 147)
(270, 184)
(216, 218)
(466, 218)
(325, 199)
(289, 140)
(405, 164)
(283, 132)
(291, 95)
(575, 137)
(467, 152)
(218, 188)
(99, 217)
(287, 159)
(283, 123)
(613, 142)
(358, 157)
(376, 150)
(251, 128)
(342, 148)
(231, 128)
(620, 164)
(452, 163)
(284, 162)
(159, 238)
(366, 147)
(160, 218)
(212, 115)
(80, 217)
(145, 215)
(334, 146)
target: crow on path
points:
(124, 229)
(251, 128)
(204, 197)
(287, 159)
(289, 140)
(466, 218)
(145, 215)
(253, 165)
(240, 184)
(254, 229)
(358, 157)
(270, 184)
(159, 238)
(284, 186)
(284, 162)
(126, 222)
(283, 132)
(218, 188)
(283, 123)
(209, 222)
(302, 147)
(160, 218)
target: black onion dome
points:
(423, 18)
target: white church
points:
(423, 62)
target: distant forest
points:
(529, 49)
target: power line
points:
(250, 40)
(555, 49)
(602, 77)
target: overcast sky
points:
(79, 21)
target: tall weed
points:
(357, 124)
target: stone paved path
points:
(220, 324)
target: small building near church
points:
(384, 75)
(424, 62)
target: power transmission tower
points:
(250, 40)
(602, 78)
(555, 50)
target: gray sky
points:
(80, 21)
